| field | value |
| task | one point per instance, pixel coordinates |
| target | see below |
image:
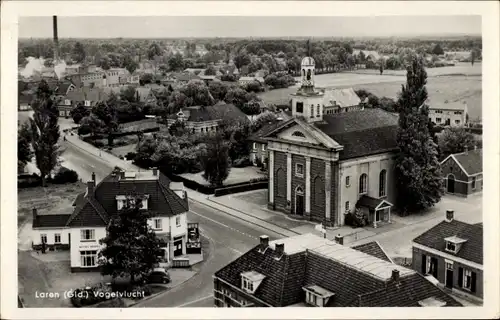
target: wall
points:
(462, 185)
(280, 180)
(372, 166)
(36, 235)
(298, 181)
(417, 266)
(181, 230)
(77, 245)
(257, 152)
(235, 298)
(317, 207)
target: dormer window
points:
(251, 280)
(454, 243)
(122, 201)
(317, 296)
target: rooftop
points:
(471, 161)
(446, 105)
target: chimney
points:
(339, 239)
(90, 188)
(279, 248)
(93, 176)
(449, 215)
(34, 213)
(56, 40)
(264, 242)
(395, 275)
(155, 172)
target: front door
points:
(69, 239)
(377, 215)
(451, 184)
(299, 204)
(177, 247)
(449, 278)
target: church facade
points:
(322, 166)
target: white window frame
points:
(42, 237)
(67, 102)
(473, 183)
(247, 284)
(454, 246)
(57, 235)
(87, 103)
(254, 146)
(314, 299)
(427, 264)
(467, 274)
(363, 187)
(347, 206)
(88, 254)
(178, 221)
(263, 147)
(348, 181)
(157, 223)
(297, 173)
(83, 235)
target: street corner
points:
(179, 276)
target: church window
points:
(298, 134)
(363, 183)
(382, 183)
(312, 111)
(318, 111)
(309, 74)
(299, 107)
(318, 191)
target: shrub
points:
(65, 176)
(356, 220)
(130, 156)
(242, 162)
(28, 181)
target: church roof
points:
(308, 61)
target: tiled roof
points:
(374, 249)
(264, 130)
(62, 88)
(79, 199)
(216, 112)
(96, 210)
(143, 93)
(439, 105)
(363, 132)
(346, 273)
(51, 221)
(471, 250)
(471, 161)
(81, 94)
(341, 97)
(186, 77)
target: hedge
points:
(28, 181)
(249, 186)
(65, 176)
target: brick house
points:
(308, 270)
(81, 229)
(463, 172)
(452, 253)
(323, 164)
(87, 96)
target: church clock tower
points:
(307, 102)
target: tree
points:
(240, 146)
(129, 95)
(241, 59)
(130, 247)
(78, 53)
(45, 131)
(262, 120)
(178, 128)
(215, 160)
(91, 124)
(153, 52)
(176, 62)
(236, 96)
(131, 66)
(210, 71)
(146, 78)
(418, 172)
(218, 90)
(79, 112)
(381, 67)
(437, 50)
(456, 140)
(24, 153)
(108, 115)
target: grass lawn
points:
(236, 175)
(140, 125)
(53, 199)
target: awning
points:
(373, 203)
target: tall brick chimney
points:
(90, 188)
(56, 39)
(339, 239)
(395, 275)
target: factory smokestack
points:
(56, 40)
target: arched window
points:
(363, 183)
(382, 183)
(309, 74)
(280, 182)
(298, 134)
(312, 110)
(303, 72)
(318, 191)
(318, 110)
(299, 190)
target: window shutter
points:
(460, 276)
(424, 263)
(473, 282)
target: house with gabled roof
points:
(463, 172)
(449, 113)
(308, 270)
(452, 253)
(87, 96)
(81, 229)
(341, 100)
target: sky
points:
(248, 26)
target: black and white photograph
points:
(233, 160)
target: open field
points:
(440, 86)
(461, 68)
(236, 175)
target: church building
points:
(324, 165)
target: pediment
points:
(297, 133)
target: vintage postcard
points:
(205, 156)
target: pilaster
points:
(328, 190)
(288, 178)
(271, 176)
(308, 187)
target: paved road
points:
(229, 237)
